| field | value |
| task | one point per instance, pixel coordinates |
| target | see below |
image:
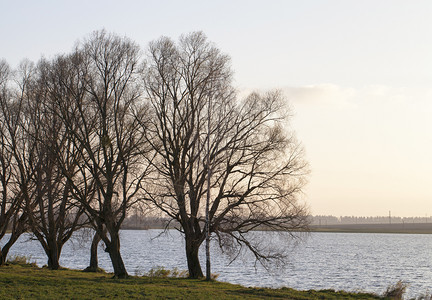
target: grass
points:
(25, 281)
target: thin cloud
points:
(323, 95)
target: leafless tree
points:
(257, 166)
(98, 99)
(53, 213)
(12, 216)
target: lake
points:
(342, 261)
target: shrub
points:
(396, 291)
(20, 260)
(158, 272)
(162, 272)
(179, 273)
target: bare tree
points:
(98, 96)
(53, 213)
(257, 166)
(12, 216)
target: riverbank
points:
(409, 228)
(31, 282)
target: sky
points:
(356, 74)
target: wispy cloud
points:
(322, 95)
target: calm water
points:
(348, 261)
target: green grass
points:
(30, 282)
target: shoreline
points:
(400, 228)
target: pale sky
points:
(357, 74)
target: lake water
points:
(342, 261)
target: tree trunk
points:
(2, 258)
(5, 250)
(53, 261)
(94, 264)
(113, 248)
(53, 254)
(194, 267)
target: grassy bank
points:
(30, 282)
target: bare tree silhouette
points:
(257, 166)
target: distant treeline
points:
(332, 220)
(135, 221)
